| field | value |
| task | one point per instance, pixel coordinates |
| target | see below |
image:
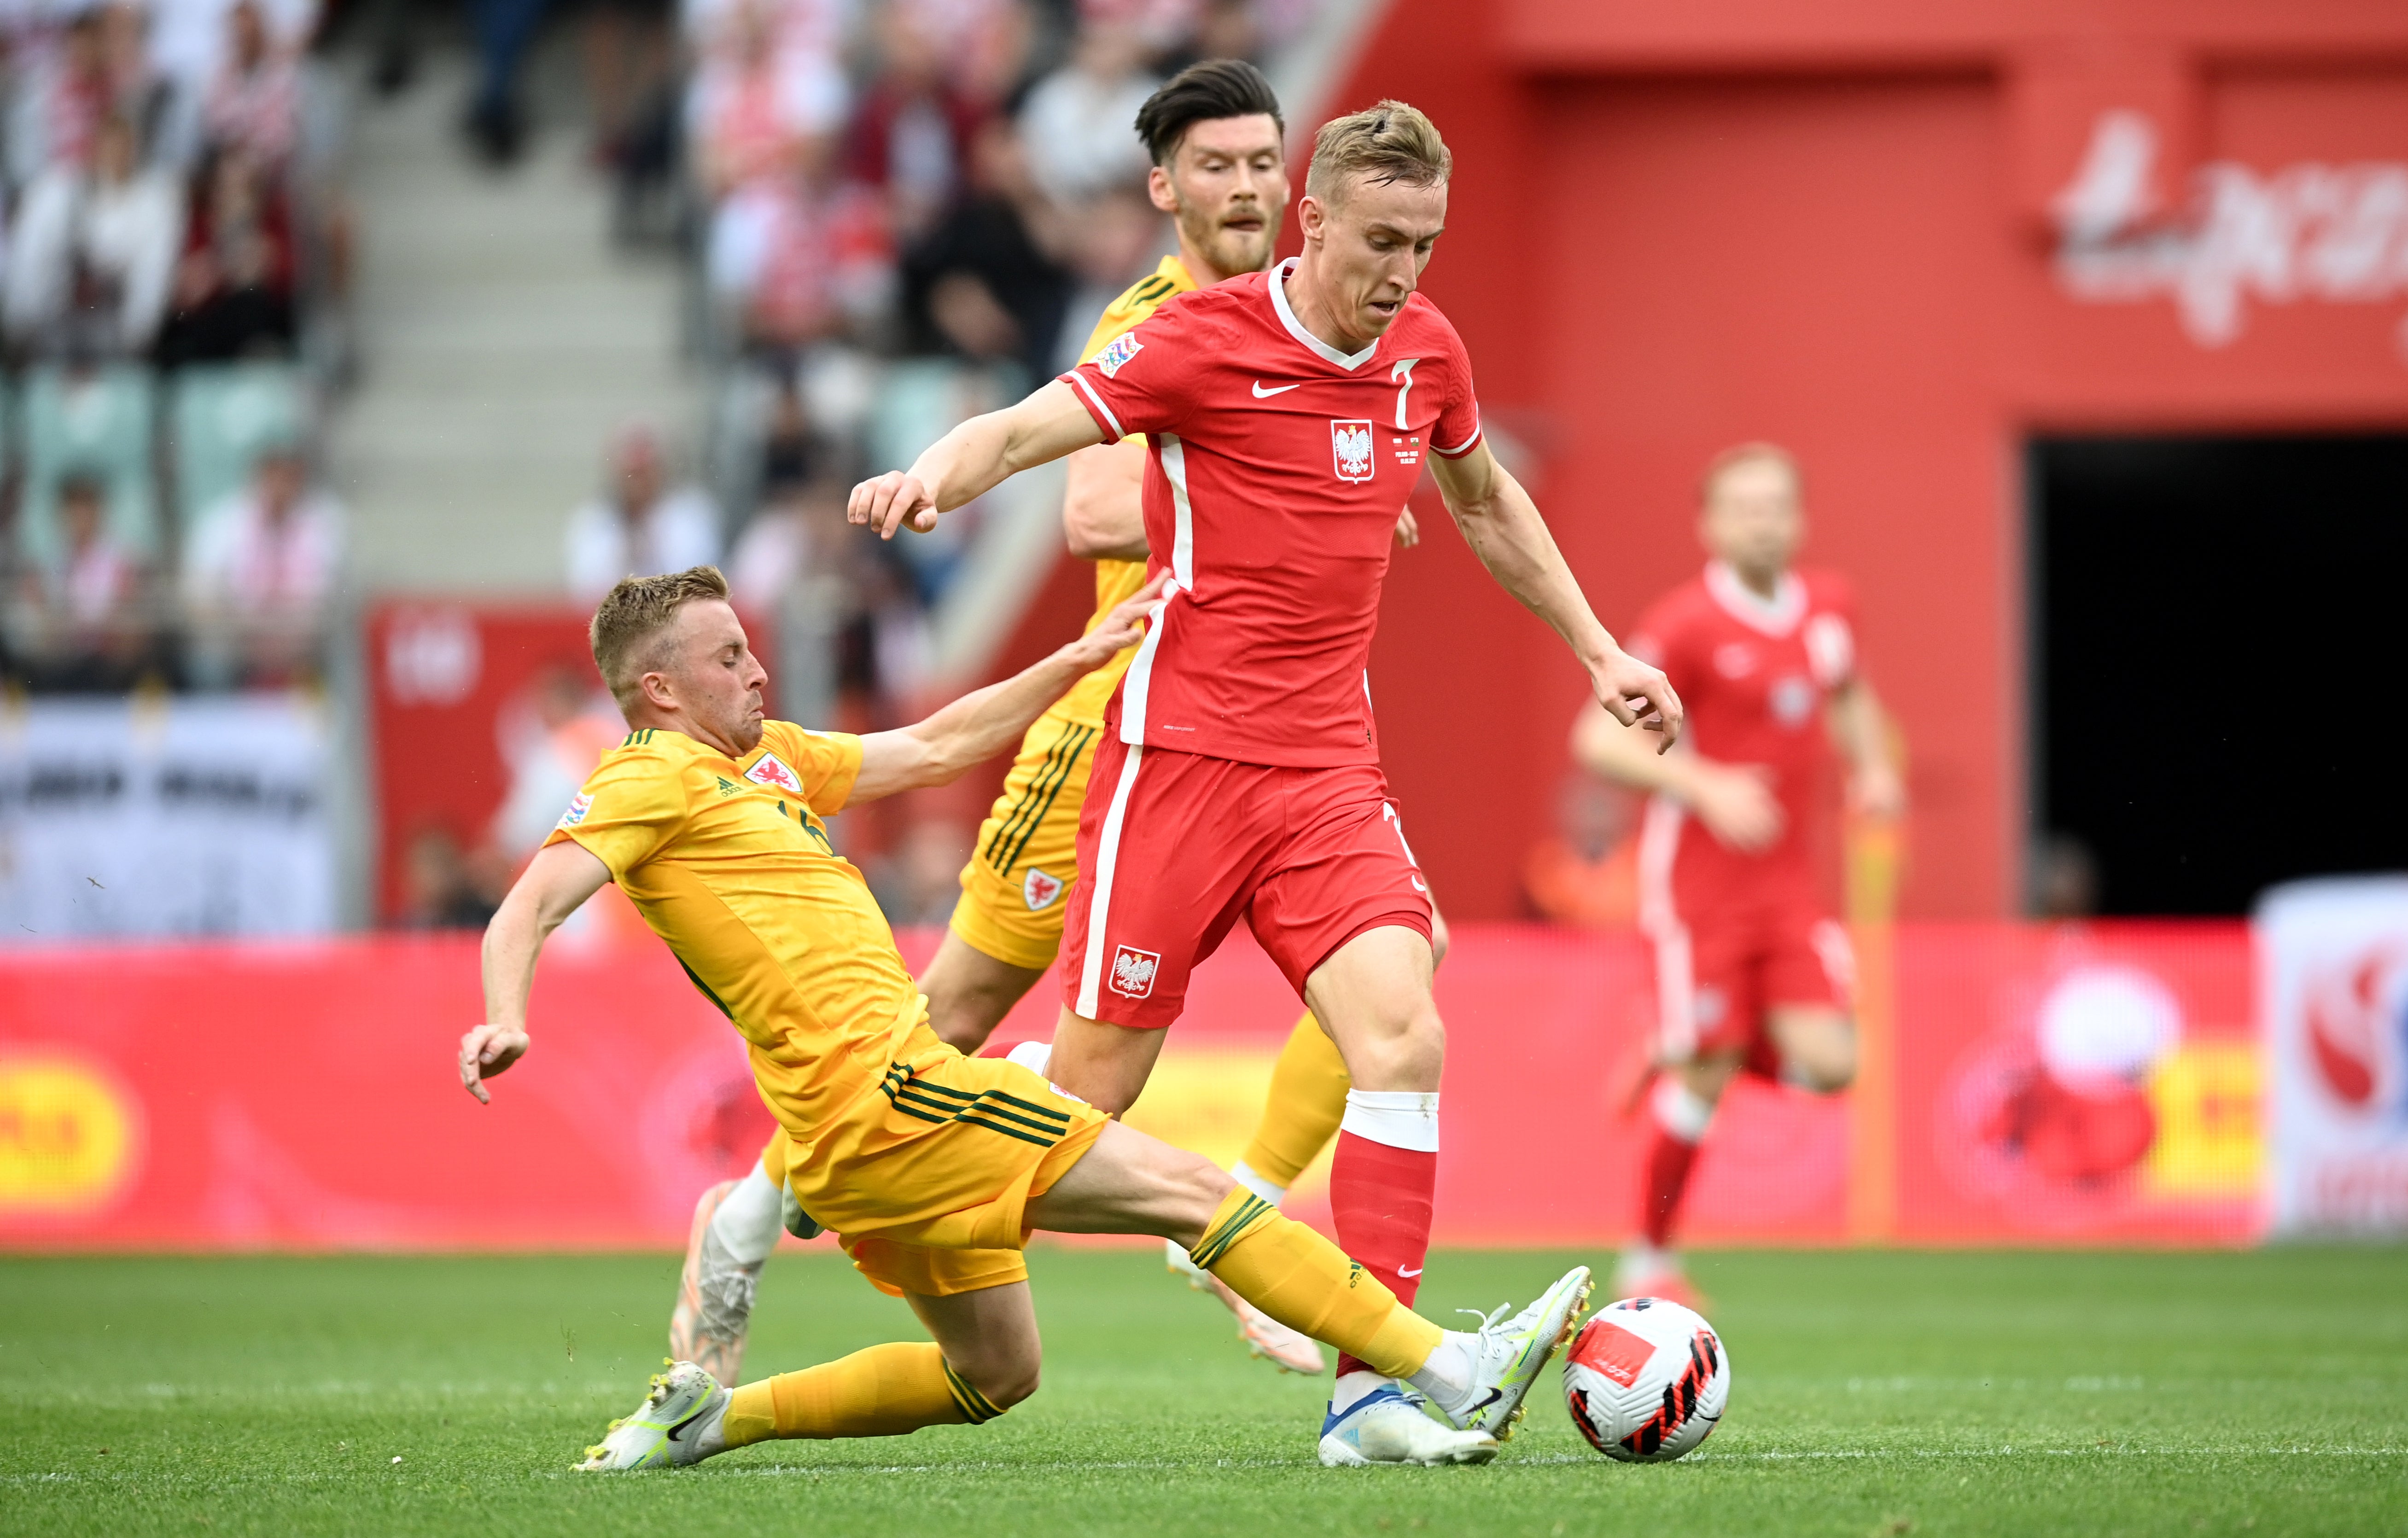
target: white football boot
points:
(1288, 1350)
(1391, 1425)
(715, 1293)
(679, 1423)
(1478, 1380)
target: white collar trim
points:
(1278, 285)
(1775, 616)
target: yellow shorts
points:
(925, 1184)
(1018, 882)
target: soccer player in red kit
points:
(1289, 414)
(1752, 970)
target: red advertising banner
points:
(2088, 1086)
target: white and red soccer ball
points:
(1646, 1380)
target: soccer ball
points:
(1646, 1380)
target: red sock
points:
(1382, 1197)
(1669, 1158)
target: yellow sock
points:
(885, 1391)
(1307, 1284)
(1307, 1100)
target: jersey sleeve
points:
(1456, 432)
(827, 763)
(626, 810)
(1140, 380)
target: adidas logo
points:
(1354, 1274)
(727, 786)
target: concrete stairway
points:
(502, 339)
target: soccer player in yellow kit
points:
(1215, 136)
(931, 1168)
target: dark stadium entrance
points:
(2218, 644)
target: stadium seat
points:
(96, 422)
(220, 416)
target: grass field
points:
(1873, 1393)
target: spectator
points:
(496, 123)
(235, 280)
(1077, 119)
(254, 104)
(640, 527)
(985, 281)
(760, 125)
(442, 886)
(82, 613)
(911, 138)
(59, 106)
(94, 252)
(261, 574)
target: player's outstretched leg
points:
(1300, 1115)
(736, 1226)
(1678, 1116)
(1129, 1182)
(984, 1361)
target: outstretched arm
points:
(1861, 727)
(973, 459)
(984, 722)
(556, 883)
(1503, 527)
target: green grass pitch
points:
(1875, 1393)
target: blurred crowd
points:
(174, 256)
(897, 213)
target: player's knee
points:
(1406, 1051)
(1005, 1376)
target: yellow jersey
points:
(1116, 580)
(729, 863)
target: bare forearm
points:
(984, 722)
(1627, 755)
(969, 462)
(1863, 728)
(1504, 529)
(513, 940)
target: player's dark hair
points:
(1216, 88)
(632, 619)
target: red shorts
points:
(1173, 846)
(1734, 938)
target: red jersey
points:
(1276, 467)
(1755, 674)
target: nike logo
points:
(1415, 1272)
(1261, 394)
(1471, 1416)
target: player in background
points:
(1216, 134)
(1752, 970)
(1289, 415)
(930, 1168)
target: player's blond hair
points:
(1387, 143)
(1756, 453)
(631, 627)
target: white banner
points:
(2334, 960)
(188, 816)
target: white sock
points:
(1256, 1181)
(1400, 1118)
(748, 1223)
(1035, 1057)
(1446, 1377)
(1680, 1111)
(1352, 1388)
